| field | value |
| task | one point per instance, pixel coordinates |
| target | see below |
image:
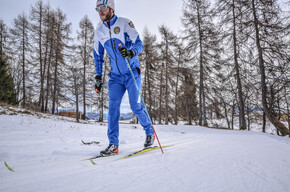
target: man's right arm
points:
(98, 56)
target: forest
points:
(230, 60)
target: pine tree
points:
(186, 99)
(3, 37)
(61, 35)
(149, 62)
(231, 13)
(167, 58)
(7, 88)
(86, 39)
(37, 27)
(270, 31)
(180, 60)
(20, 36)
(204, 48)
(49, 43)
(74, 83)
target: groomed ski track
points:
(47, 155)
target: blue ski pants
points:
(118, 84)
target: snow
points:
(47, 154)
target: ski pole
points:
(143, 103)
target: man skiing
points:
(122, 42)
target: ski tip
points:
(92, 162)
(9, 168)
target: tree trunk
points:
(264, 123)
(166, 83)
(23, 64)
(84, 76)
(249, 119)
(237, 68)
(176, 90)
(288, 110)
(201, 70)
(226, 115)
(233, 114)
(57, 61)
(188, 111)
(43, 76)
(77, 99)
(160, 96)
(202, 112)
(48, 74)
(54, 86)
(204, 122)
(41, 94)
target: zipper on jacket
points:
(114, 48)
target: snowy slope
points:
(47, 155)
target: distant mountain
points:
(123, 116)
(96, 116)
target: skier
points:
(109, 34)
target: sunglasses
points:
(101, 8)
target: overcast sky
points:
(150, 13)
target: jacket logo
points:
(117, 30)
(131, 24)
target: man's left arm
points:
(133, 38)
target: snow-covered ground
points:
(254, 126)
(47, 154)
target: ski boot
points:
(110, 150)
(149, 141)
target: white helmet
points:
(109, 3)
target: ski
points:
(144, 151)
(9, 168)
(129, 155)
(96, 157)
(90, 143)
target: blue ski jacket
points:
(121, 31)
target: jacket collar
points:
(112, 21)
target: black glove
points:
(138, 70)
(99, 83)
(129, 54)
